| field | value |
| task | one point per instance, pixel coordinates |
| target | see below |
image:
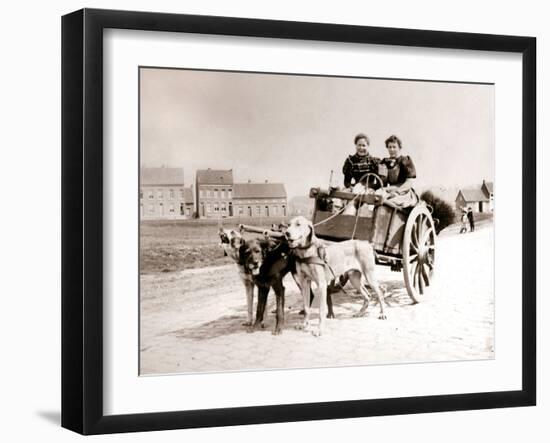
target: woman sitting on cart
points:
(356, 169)
(359, 164)
(401, 173)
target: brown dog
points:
(231, 242)
(269, 261)
(319, 264)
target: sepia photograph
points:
(300, 221)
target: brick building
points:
(259, 200)
(214, 193)
(218, 196)
(162, 194)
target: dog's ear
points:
(311, 236)
(223, 236)
(242, 254)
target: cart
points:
(404, 239)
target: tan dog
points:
(322, 264)
(231, 242)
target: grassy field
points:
(168, 246)
(175, 245)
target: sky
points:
(295, 129)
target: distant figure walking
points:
(471, 219)
(464, 222)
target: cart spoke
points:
(425, 277)
(426, 231)
(413, 257)
(418, 227)
(414, 237)
(414, 266)
(426, 237)
(417, 276)
(420, 280)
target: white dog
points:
(321, 264)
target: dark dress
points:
(357, 166)
(398, 171)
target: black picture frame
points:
(82, 218)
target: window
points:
(208, 209)
(201, 193)
(258, 211)
(241, 210)
(151, 209)
(172, 195)
(151, 195)
(223, 207)
(216, 207)
(181, 194)
(229, 193)
(171, 208)
(208, 194)
(274, 210)
(222, 194)
(159, 194)
(284, 210)
(215, 193)
(182, 209)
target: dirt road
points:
(191, 321)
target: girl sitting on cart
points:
(400, 176)
(355, 169)
(360, 163)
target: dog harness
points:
(320, 259)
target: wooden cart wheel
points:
(418, 251)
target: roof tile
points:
(162, 176)
(259, 190)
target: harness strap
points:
(320, 259)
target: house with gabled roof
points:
(260, 199)
(218, 196)
(479, 200)
(162, 194)
(214, 192)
